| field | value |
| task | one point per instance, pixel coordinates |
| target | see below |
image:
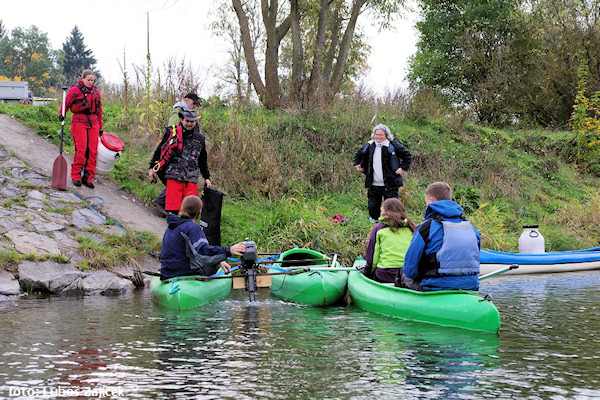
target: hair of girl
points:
(395, 216)
(87, 72)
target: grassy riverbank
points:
(285, 174)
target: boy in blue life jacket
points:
(444, 251)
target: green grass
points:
(116, 250)
(14, 200)
(9, 259)
(285, 174)
(60, 210)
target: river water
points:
(125, 347)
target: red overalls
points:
(86, 123)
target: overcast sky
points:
(179, 30)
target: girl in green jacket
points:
(388, 242)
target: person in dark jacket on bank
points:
(190, 102)
(382, 160)
(444, 251)
(182, 157)
(185, 250)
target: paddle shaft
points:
(208, 278)
(501, 270)
(325, 269)
(64, 113)
(303, 261)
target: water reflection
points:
(415, 359)
(270, 349)
(549, 338)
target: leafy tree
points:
(565, 32)
(77, 56)
(322, 37)
(26, 56)
(585, 122)
(309, 58)
(459, 41)
(2, 29)
(508, 59)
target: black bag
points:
(210, 219)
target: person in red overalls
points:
(83, 99)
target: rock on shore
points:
(38, 220)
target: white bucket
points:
(531, 241)
(109, 151)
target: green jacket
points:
(174, 119)
(390, 247)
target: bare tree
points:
(225, 26)
(330, 47)
(2, 29)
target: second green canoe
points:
(460, 308)
(316, 288)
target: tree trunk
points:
(297, 56)
(275, 34)
(273, 93)
(238, 69)
(257, 82)
(336, 23)
(340, 65)
(316, 85)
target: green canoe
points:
(188, 291)
(459, 308)
(315, 288)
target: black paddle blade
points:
(59, 173)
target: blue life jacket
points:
(459, 253)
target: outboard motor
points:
(249, 267)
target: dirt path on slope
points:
(126, 209)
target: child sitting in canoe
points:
(388, 242)
(444, 251)
(185, 250)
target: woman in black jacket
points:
(382, 160)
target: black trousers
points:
(161, 200)
(375, 196)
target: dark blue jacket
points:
(420, 250)
(173, 256)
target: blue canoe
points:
(555, 261)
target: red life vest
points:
(175, 142)
(88, 102)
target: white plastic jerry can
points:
(531, 241)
